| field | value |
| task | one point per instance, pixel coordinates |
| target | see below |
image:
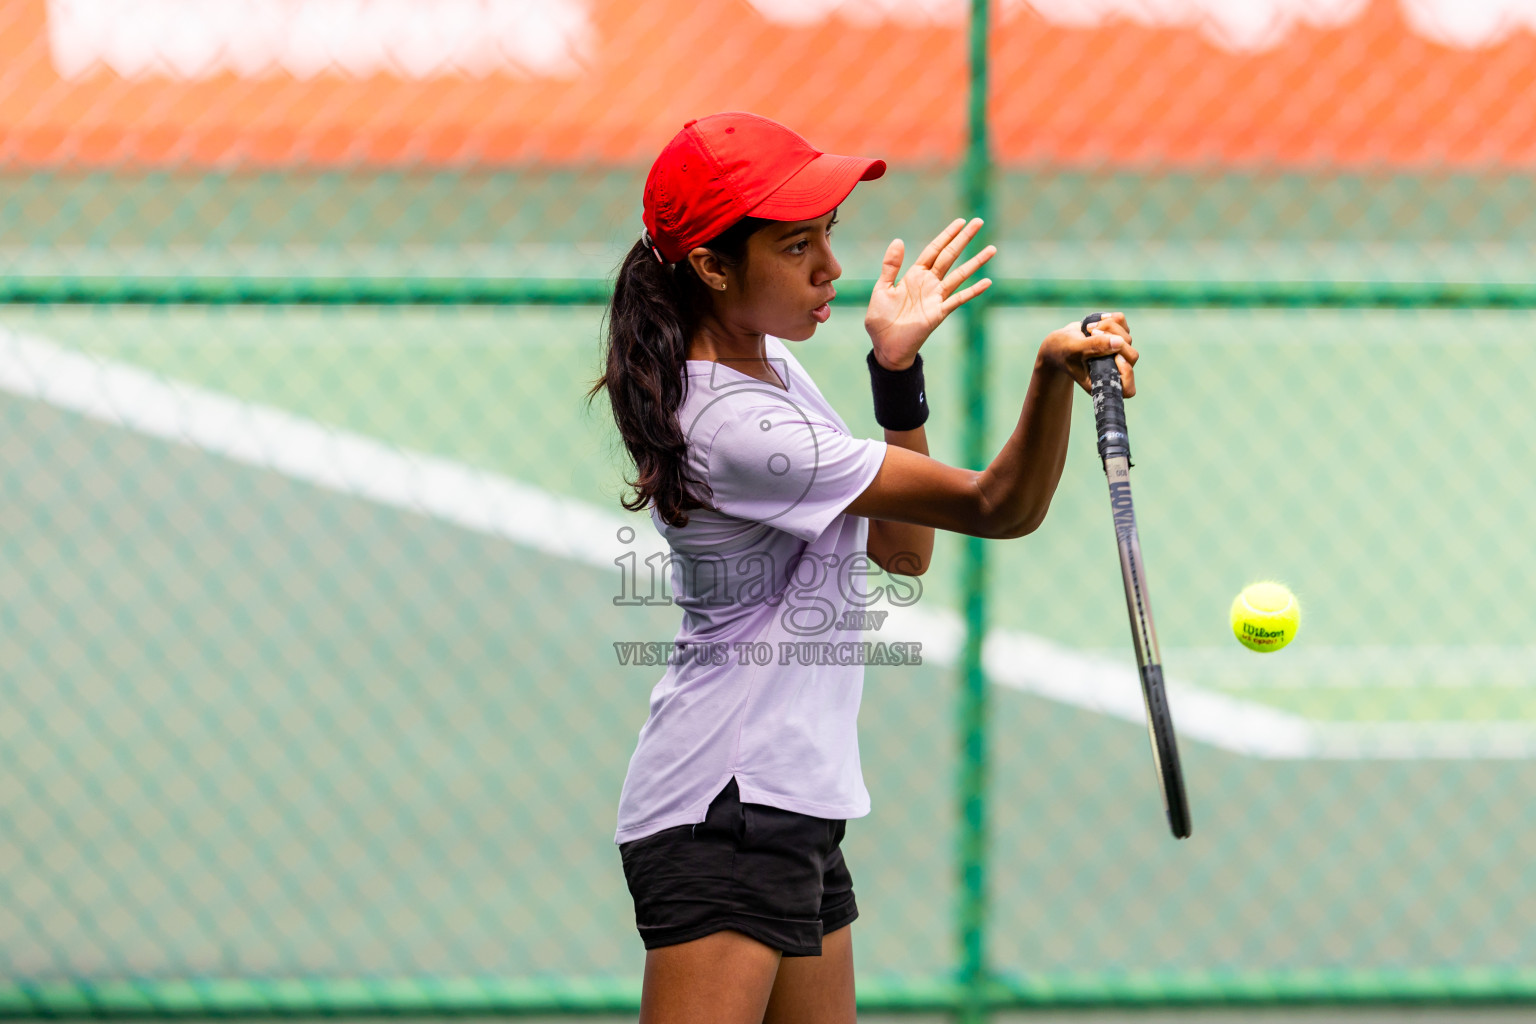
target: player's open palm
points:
(902, 313)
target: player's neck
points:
(744, 351)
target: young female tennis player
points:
(734, 806)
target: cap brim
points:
(817, 188)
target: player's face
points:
(785, 284)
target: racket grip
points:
(1109, 408)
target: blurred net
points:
(310, 612)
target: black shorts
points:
(772, 874)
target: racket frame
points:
(1115, 453)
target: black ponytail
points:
(653, 315)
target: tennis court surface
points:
(310, 623)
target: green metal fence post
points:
(972, 908)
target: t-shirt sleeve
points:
(788, 468)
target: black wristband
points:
(900, 402)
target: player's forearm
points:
(1020, 482)
(903, 548)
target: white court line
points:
(1363, 667)
(352, 464)
(296, 447)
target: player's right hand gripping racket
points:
(1115, 451)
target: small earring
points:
(722, 286)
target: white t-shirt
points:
(777, 565)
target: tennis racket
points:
(1115, 452)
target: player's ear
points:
(708, 268)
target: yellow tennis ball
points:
(1265, 616)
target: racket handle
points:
(1109, 408)
(1108, 402)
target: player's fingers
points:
(1127, 375)
(891, 265)
(1110, 321)
(1101, 343)
(932, 249)
(1115, 327)
(967, 268)
(963, 296)
(956, 246)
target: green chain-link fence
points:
(312, 703)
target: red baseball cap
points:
(724, 167)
